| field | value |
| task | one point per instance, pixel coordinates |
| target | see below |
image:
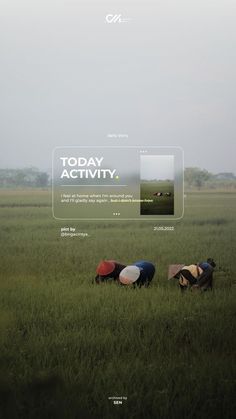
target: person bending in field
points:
(205, 280)
(108, 270)
(139, 274)
(196, 276)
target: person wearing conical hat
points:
(193, 276)
(138, 274)
(108, 270)
(186, 274)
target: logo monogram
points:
(116, 19)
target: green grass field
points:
(67, 345)
(163, 205)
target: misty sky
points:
(157, 167)
(167, 77)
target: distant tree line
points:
(200, 178)
(194, 178)
(29, 177)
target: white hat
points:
(129, 275)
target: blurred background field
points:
(68, 345)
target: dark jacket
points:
(147, 271)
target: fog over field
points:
(157, 167)
(167, 77)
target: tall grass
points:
(67, 345)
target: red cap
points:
(105, 267)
